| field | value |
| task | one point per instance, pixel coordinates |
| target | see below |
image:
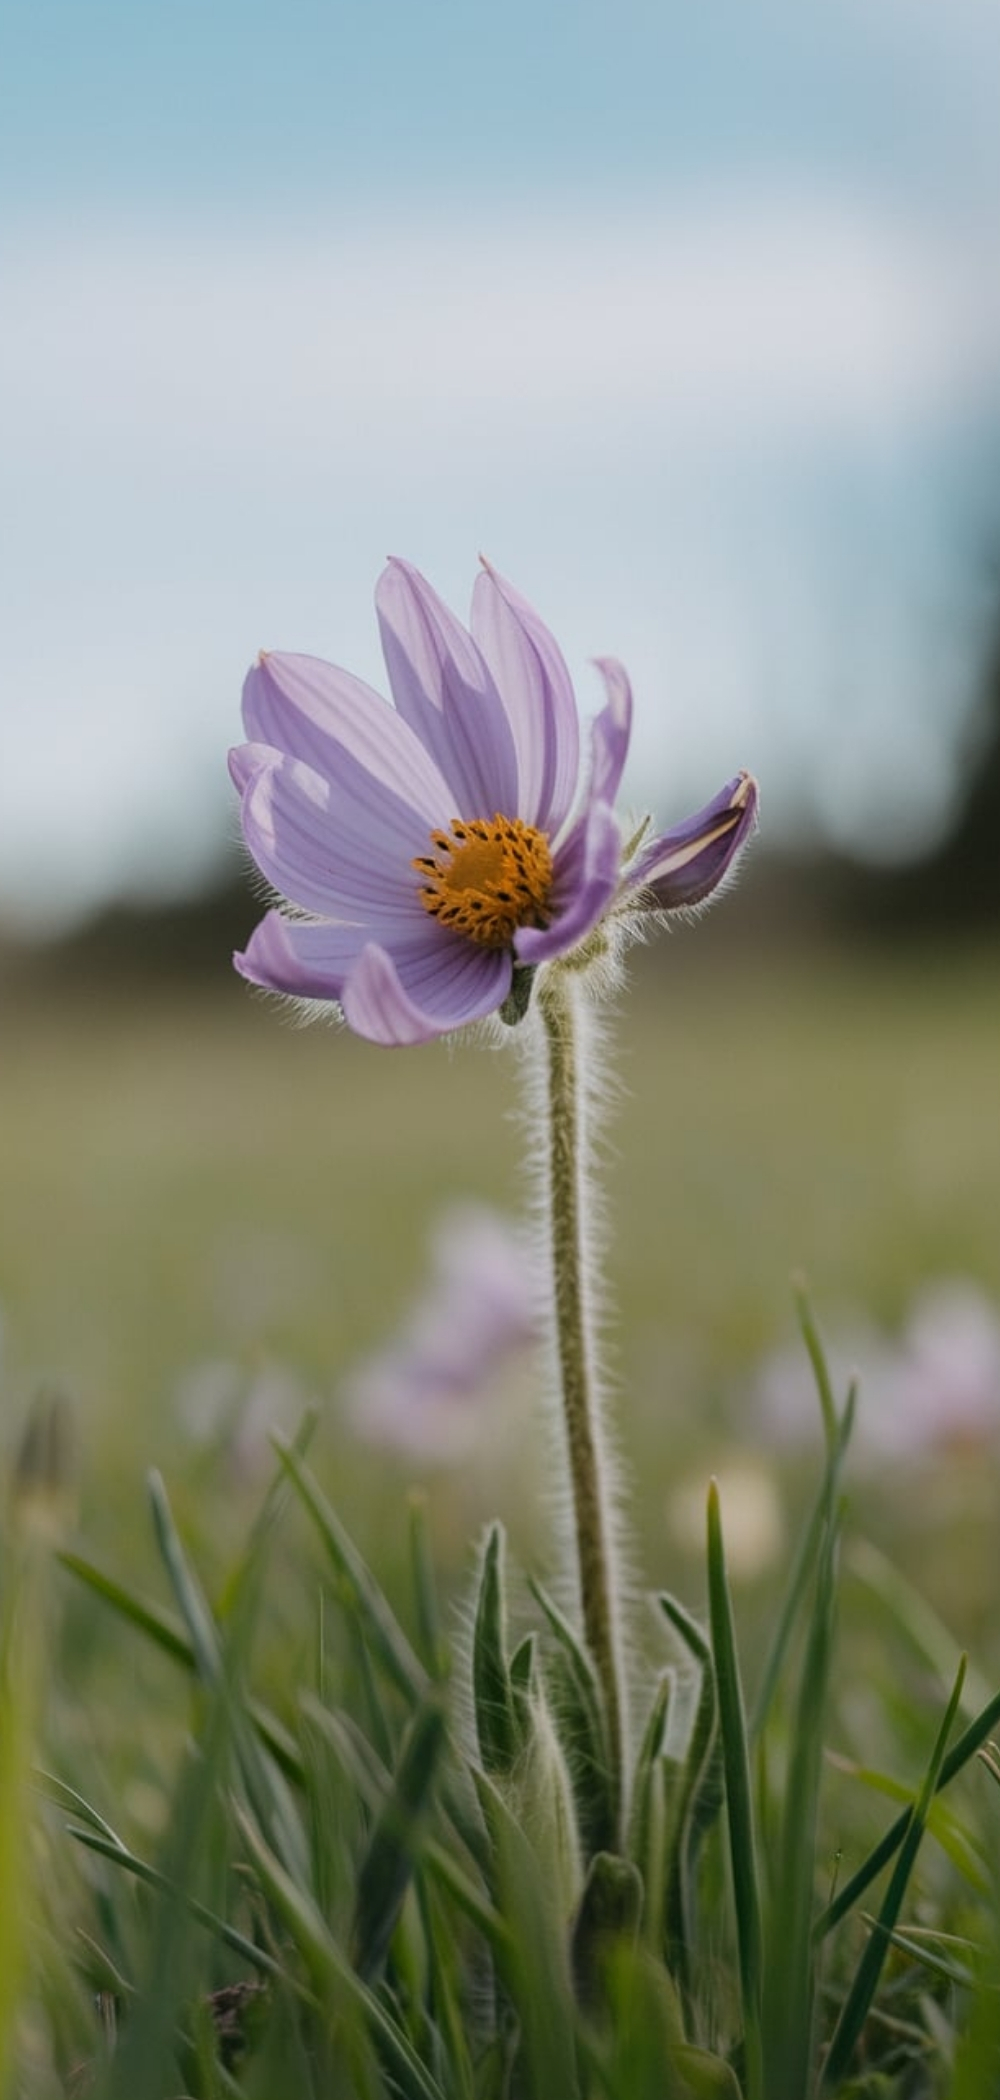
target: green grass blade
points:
(387, 1638)
(167, 1633)
(161, 1627)
(217, 1667)
(358, 1758)
(188, 1592)
(960, 1754)
(942, 1824)
(854, 2011)
(918, 1945)
(141, 1870)
(332, 1978)
(736, 1769)
(928, 1636)
(976, 2069)
(697, 1798)
(788, 1998)
(387, 1868)
(820, 1368)
(67, 1798)
(443, 1868)
(803, 1566)
(497, 1728)
(24, 1640)
(446, 1995)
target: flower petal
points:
(244, 760)
(537, 693)
(340, 727)
(585, 881)
(686, 864)
(427, 995)
(340, 849)
(310, 959)
(610, 732)
(444, 692)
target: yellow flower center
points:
(486, 878)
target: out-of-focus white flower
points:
(936, 1388)
(753, 1527)
(423, 1394)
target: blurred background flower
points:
(462, 1350)
(932, 1389)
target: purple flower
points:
(424, 1394)
(430, 847)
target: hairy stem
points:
(558, 992)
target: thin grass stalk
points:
(960, 1753)
(736, 1766)
(855, 2007)
(573, 1293)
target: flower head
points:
(430, 847)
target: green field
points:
(189, 1179)
(194, 1190)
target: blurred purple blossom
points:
(933, 1389)
(424, 1394)
(223, 1408)
(427, 848)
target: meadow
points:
(200, 1198)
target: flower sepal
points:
(518, 999)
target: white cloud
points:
(203, 426)
(760, 314)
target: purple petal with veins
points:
(314, 712)
(535, 689)
(401, 999)
(685, 865)
(444, 690)
(341, 849)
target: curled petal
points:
(430, 983)
(611, 731)
(244, 760)
(309, 959)
(399, 999)
(537, 694)
(685, 865)
(586, 878)
(444, 691)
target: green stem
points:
(557, 995)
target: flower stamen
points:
(486, 877)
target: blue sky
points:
(689, 317)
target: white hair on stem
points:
(568, 1091)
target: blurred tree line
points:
(954, 888)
